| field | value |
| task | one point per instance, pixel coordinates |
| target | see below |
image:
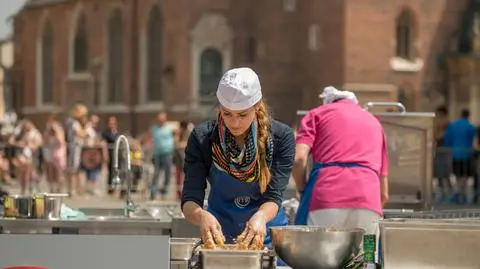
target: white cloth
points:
(239, 89)
(331, 94)
(347, 218)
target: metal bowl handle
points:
(400, 106)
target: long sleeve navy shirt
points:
(198, 160)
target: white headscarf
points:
(331, 94)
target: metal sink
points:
(103, 221)
(99, 211)
(122, 218)
(152, 212)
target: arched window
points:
(115, 57)
(80, 45)
(405, 35)
(47, 68)
(210, 72)
(155, 55)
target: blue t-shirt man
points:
(459, 138)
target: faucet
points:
(129, 205)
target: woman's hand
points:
(211, 231)
(254, 234)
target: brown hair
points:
(263, 134)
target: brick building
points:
(132, 58)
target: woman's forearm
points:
(298, 173)
(384, 190)
(302, 152)
(269, 209)
(192, 212)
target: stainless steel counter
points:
(108, 226)
(85, 251)
(430, 243)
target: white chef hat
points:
(239, 89)
(331, 94)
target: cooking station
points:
(158, 236)
(34, 232)
(106, 240)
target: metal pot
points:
(18, 206)
(48, 205)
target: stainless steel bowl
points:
(305, 247)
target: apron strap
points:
(301, 218)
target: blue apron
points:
(234, 202)
(301, 218)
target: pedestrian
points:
(76, 134)
(442, 161)
(460, 140)
(109, 135)
(163, 146)
(136, 154)
(55, 154)
(181, 138)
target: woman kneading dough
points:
(247, 158)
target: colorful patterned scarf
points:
(241, 163)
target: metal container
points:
(182, 249)
(19, 206)
(48, 205)
(305, 247)
(231, 258)
(410, 150)
(430, 243)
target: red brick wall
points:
(370, 31)
(357, 41)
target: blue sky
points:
(7, 9)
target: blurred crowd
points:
(71, 154)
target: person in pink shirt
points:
(348, 185)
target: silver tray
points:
(230, 258)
